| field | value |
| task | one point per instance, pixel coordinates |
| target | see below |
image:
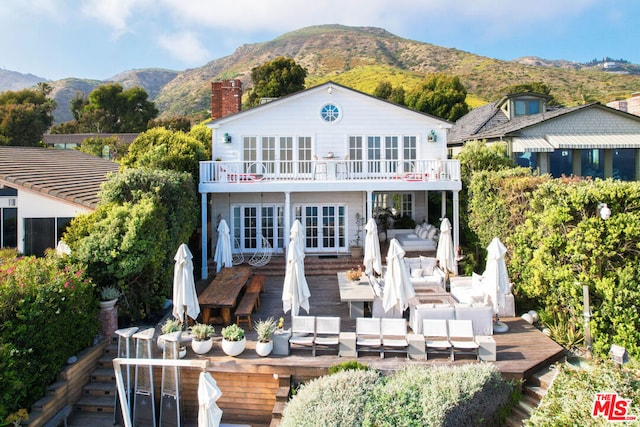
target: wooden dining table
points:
(223, 291)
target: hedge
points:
(48, 312)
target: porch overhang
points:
(329, 186)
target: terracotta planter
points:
(234, 348)
(264, 348)
(356, 251)
(202, 347)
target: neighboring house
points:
(323, 155)
(41, 190)
(587, 140)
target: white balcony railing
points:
(329, 170)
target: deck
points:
(249, 383)
(520, 352)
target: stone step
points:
(95, 404)
(103, 375)
(278, 409)
(106, 362)
(99, 389)
(543, 378)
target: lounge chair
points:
(436, 337)
(368, 335)
(327, 332)
(462, 339)
(394, 335)
(303, 331)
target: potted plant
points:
(265, 330)
(355, 246)
(109, 296)
(169, 326)
(233, 340)
(202, 340)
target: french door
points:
(325, 227)
(252, 221)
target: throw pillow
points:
(428, 264)
(416, 273)
(432, 232)
(423, 233)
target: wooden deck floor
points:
(520, 352)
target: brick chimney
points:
(226, 98)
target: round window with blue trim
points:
(330, 113)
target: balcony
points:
(439, 174)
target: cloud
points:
(185, 46)
(114, 13)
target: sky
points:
(97, 39)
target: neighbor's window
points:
(624, 164)
(525, 107)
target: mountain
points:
(361, 57)
(12, 80)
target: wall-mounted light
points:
(604, 211)
(226, 138)
(330, 90)
(432, 137)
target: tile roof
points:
(77, 138)
(69, 175)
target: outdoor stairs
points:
(96, 405)
(282, 397)
(314, 265)
(533, 390)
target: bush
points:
(48, 312)
(472, 394)
(569, 400)
(334, 400)
(563, 244)
(130, 240)
(441, 396)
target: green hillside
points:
(360, 57)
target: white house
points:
(41, 190)
(324, 155)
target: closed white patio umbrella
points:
(445, 253)
(372, 258)
(398, 290)
(495, 279)
(223, 256)
(209, 414)
(185, 298)
(295, 290)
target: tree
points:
(386, 91)
(181, 123)
(111, 109)
(25, 116)
(441, 95)
(130, 240)
(159, 148)
(276, 78)
(95, 146)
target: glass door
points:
(325, 227)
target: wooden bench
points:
(256, 285)
(245, 308)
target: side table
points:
(348, 344)
(416, 346)
(487, 350)
(281, 342)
